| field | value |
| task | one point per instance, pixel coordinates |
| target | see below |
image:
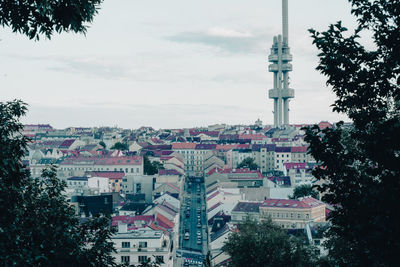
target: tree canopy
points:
(38, 226)
(151, 168)
(120, 146)
(248, 163)
(360, 162)
(36, 18)
(303, 191)
(266, 244)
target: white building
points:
(137, 246)
(102, 184)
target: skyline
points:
(169, 74)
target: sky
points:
(171, 64)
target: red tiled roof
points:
(252, 136)
(96, 160)
(214, 206)
(295, 165)
(166, 209)
(173, 186)
(213, 195)
(183, 145)
(67, 143)
(304, 203)
(299, 149)
(164, 222)
(324, 124)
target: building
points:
(248, 209)
(134, 247)
(77, 166)
(139, 184)
(293, 213)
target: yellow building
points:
(293, 213)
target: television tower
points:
(280, 66)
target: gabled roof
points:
(214, 207)
(164, 222)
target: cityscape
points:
(222, 182)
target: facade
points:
(137, 246)
(77, 166)
(293, 213)
(244, 210)
(139, 184)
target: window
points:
(307, 216)
(142, 244)
(298, 216)
(142, 259)
(291, 215)
(131, 170)
(138, 188)
(125, 259)
(126, 244)
(137, 170)
(159, 259)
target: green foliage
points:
(38, 226)
(266, 244)
(248, 163)
(103, 144)
(120, 146)
(36, 18)
(151, 168)
(361, 162)
(303, 191)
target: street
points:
(193, 236)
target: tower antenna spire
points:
(280, 66)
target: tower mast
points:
(280, 66)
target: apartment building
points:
(135, 247)
(293, 213)
(77, 166)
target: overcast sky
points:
(170, 64)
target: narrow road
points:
(193, 236)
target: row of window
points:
(285, 215)
(142, 259)
(128, 244)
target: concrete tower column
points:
(285, 22)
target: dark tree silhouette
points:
(36, 18)
(360, 163)
(38, 226)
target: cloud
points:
(225, 39)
